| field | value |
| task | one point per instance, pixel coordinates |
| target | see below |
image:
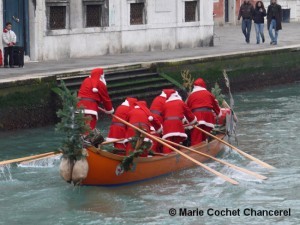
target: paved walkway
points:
(228, 40)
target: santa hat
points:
(200, 82)
(96, 76)
(169, 92)
(144, 107)
(163, 94)
(131, 101)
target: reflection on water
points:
(268, 129)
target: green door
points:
(16, 12)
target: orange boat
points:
(104, 167)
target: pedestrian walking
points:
(9, 39)
(258, 18)
(274, 17)
(246, 12)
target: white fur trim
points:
(202, 122)
(198, 88)
(125, 103)
(90, 112)
(126, 140)
(114, 139)
(163, 94)
(136, 107)
(150, 118)
(188, 127)
(147, 140)
(159, 131)
(194, 121)
(110, 111)
(95, 90)
(178, 134)
(220, 114)
(102, 79)
(174, 96)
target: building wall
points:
(164, 29)
(219, 11)
(234, 5)
(294, 5)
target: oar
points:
(266, 165)
(218, 160)
(28, 158)
(228, 179)
(44, 155)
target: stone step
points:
(111, 80)
(142, 89)
(140, 81)
(81, 76)
(143, 83)
(143, 96)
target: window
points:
(190, 11)
(93, 16)
(96, 13)
(137, 13)
(57, 17)
(57, 14)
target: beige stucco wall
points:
(165, 29)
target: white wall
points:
(165, 29)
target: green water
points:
(268, 129)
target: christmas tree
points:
(216, 91)
(72, 124)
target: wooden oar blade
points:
(266, 165)
(256, 175)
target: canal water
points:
(268, 129)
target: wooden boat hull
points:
(103, 165)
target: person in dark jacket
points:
(246, 12)
(274, 17)
(258, 17)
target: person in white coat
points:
(9, 39)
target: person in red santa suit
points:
(117, 129)
(156, 108)
(174, 112)
(93, 92)
(142, 118)
(157, 105)
(203, 104)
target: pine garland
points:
(217, 92)
(72, 124)
(141, 146)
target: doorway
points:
(226, 11)
(16, 12)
